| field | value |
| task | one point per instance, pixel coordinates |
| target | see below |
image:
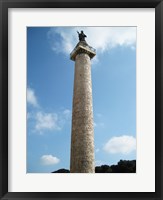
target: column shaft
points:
(82, 139)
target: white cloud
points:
(64, 117)
(98, 121)
(46, 121)
(49, 160)
(31, 97)
(100, 38)
(67, 114)
(65, 43)
(43, 121)
(123, 144)
(99, 124)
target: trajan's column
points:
(82, 138)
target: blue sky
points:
(50, 76)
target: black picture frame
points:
(4, 5)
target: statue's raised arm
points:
(82, 36)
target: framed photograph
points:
(81, 99)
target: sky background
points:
(50, 77)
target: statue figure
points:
(81, 36)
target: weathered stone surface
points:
(82, 139)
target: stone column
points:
(82, 138)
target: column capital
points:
(82, 47)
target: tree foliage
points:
(123, 166)
(62, 171)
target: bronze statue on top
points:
(81, 36)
